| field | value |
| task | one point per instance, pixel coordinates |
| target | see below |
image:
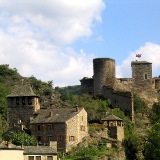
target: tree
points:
(155, 113)
(22, 138)
(152, 147)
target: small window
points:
(146, 76)
(72, 138)
(39, 127)
(23, 100)
(82, 118)
(49, 157)
(38, 157)
(49, 138)
(29, 100)
(49, 127)
(82, 128)
(17, 100)
(39, 138)
(30, 157)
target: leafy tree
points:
(155, 113)
(152, 147)
(3, 102)
(139, 104)
(22, 138)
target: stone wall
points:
(56, 132)
(77, 129)
(122, 100)
(87, 85)
(116, 132)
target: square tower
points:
(22, 103)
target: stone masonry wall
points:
(76, 129)
(20, 111)
(122, 100)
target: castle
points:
(119, 91)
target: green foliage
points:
(5, 71)
(41, 88)
(74, 90)
(139, 104)
(92, 152)
(152, 147)
(134, 147)
(129, 127)
(22, 138)
(3, 102)
(155, 113)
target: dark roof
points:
(112, 118)
(39, 150)
(22, 90)
(59, 115)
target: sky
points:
(58, 40)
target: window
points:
(17, 100)
(30, 157)
(71, 138)
(49, 157)
(60, 138)
(39, 127)
(82, 128)
(49, 127)
(49, 138)
(23, 100)
(82, 118)
(38, 157)
(29, 100)
(39, 138)
(145, 76)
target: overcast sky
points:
(57, 39)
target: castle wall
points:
(122, 100)
(157, 83)
(87, 85)
(104, 74)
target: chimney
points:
(77, 109)
(53, 144)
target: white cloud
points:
(35, 37)
(150, 53)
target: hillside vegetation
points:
(141, 137)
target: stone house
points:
(67, 126)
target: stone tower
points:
(115, 127)
(22, 103)
(141, 74)
(104, 74)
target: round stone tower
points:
(104, 74)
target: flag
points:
(138, 55)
